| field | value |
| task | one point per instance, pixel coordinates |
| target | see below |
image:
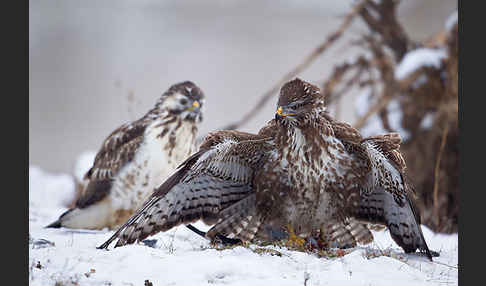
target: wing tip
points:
(103, 246)
(108, 242)
(429, 253)
(56, 224)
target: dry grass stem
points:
(436, 175)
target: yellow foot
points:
(295, 241)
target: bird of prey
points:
(303, 171)
(136, 158)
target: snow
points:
(419, 81)
(364, 101)
(42, 185)
(418, 58)
(374, 125)
(427, 121)
(180, 257)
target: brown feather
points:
(304, 170)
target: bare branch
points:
(299, 68)
(384, 100)
(386, 24)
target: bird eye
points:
(183, 101)
(298, 105)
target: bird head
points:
(297, 100)
(183, 99)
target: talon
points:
(294, 240)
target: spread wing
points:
(387, 197)
(212, 180)
(118, 149)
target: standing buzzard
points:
(303, 172)
(136, 158)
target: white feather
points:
(152, 164)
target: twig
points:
(436, 175)
(376, 108)
(306, 277)
(299, 68)
(386, 24)
(440, 263)
(384, 65)
(334, 96)
(335, 79)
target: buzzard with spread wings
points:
(303, 172)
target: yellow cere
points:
(280, 112)
(195, 105)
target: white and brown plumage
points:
(303, 172)
(136, 158)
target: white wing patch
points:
(217, 162)
(383, 173)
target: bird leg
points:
(293, 240)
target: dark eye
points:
(183, 101)
(298, 105)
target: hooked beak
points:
(195, 106)
(283, 112)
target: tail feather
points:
(359, 231)
(58, 222)
(336, 234)
(239, 220)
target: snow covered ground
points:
(180, 257)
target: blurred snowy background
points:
(97, 64)
(94, 65)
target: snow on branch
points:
(418, 58)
